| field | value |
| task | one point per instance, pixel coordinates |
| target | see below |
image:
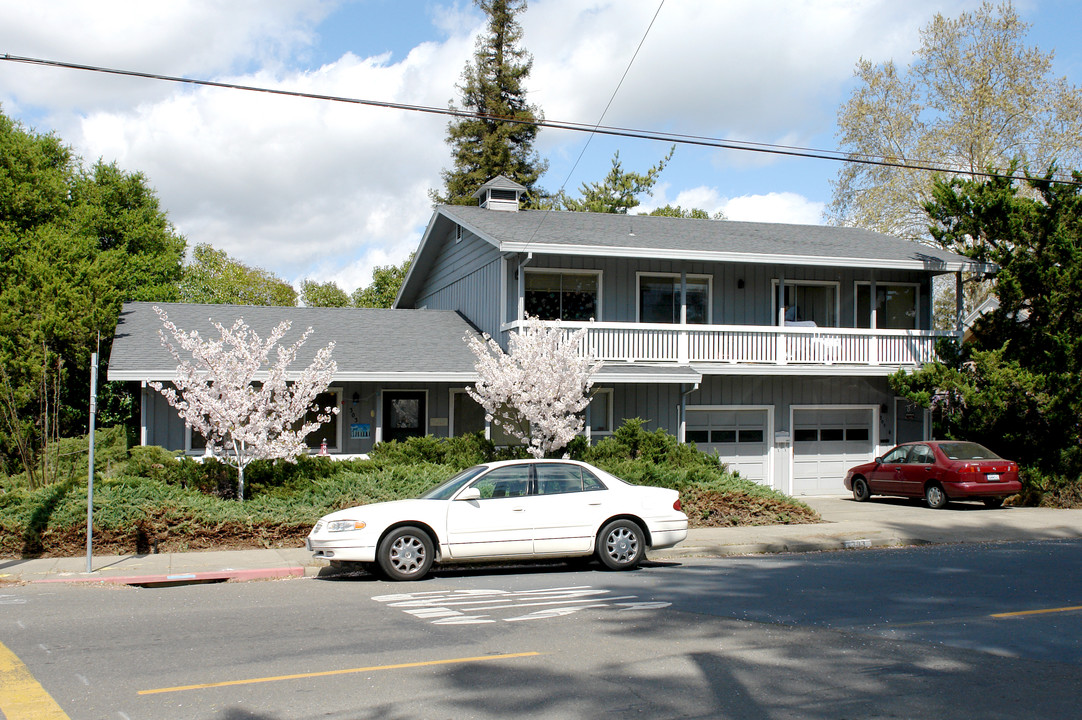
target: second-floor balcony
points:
(789, 345)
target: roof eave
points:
(934, 265)
(375, 376)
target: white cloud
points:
(193, 38)
(287, 183)
(730, 69)
(326, 190)
(777, 207)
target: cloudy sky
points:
(327, 190)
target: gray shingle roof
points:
(681, 238)
(369, 343)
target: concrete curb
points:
(192, 578)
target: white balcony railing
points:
(682, 344)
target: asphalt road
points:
(974, 631)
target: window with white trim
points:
(601, 412)
(897, 306)
(659, 298)
(563, 295)
(330, 430)
(808, 303)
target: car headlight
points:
(344, 525)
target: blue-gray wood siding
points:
(165, 428)
(657, 404)
(465, 277)
(751, 304)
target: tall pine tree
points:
(486, 144)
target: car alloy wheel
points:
(622, 545)
(406, 554)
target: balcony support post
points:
(780, 354)
(873, 301)
(959, 307)
(682, 336)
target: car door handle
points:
(596, 504)
(518, 509)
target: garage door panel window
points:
(856, 434)
(717, 437)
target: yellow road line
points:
(327, 673)
(21, 696)
(1037, 612)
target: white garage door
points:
(826, 443)
(739, 437)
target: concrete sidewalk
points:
(881, 522)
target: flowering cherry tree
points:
(537, 390)
(245, 410)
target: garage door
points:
(739, 437)
(826, 443)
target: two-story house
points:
(769, 344)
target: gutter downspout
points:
(682, 431)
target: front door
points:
(404, 414)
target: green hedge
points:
(151, 496)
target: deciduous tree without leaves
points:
(246, 409)
(537, 390)
(976, 97)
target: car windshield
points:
(967, 451)
(446, 489)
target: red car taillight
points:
(676, 505)
(967, 468)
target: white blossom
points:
(244, 410)
(537, 390)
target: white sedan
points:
(512, 510)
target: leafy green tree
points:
(326, 294)
(486, 144)
(976, 98)
(687, 214)
(214, 277)
(386, 282)
(74, 243)
(618, 192)
(1018, 387)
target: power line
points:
(668, 137)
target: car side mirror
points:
(470, 493)
(879, 461)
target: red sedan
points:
(938, 471)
